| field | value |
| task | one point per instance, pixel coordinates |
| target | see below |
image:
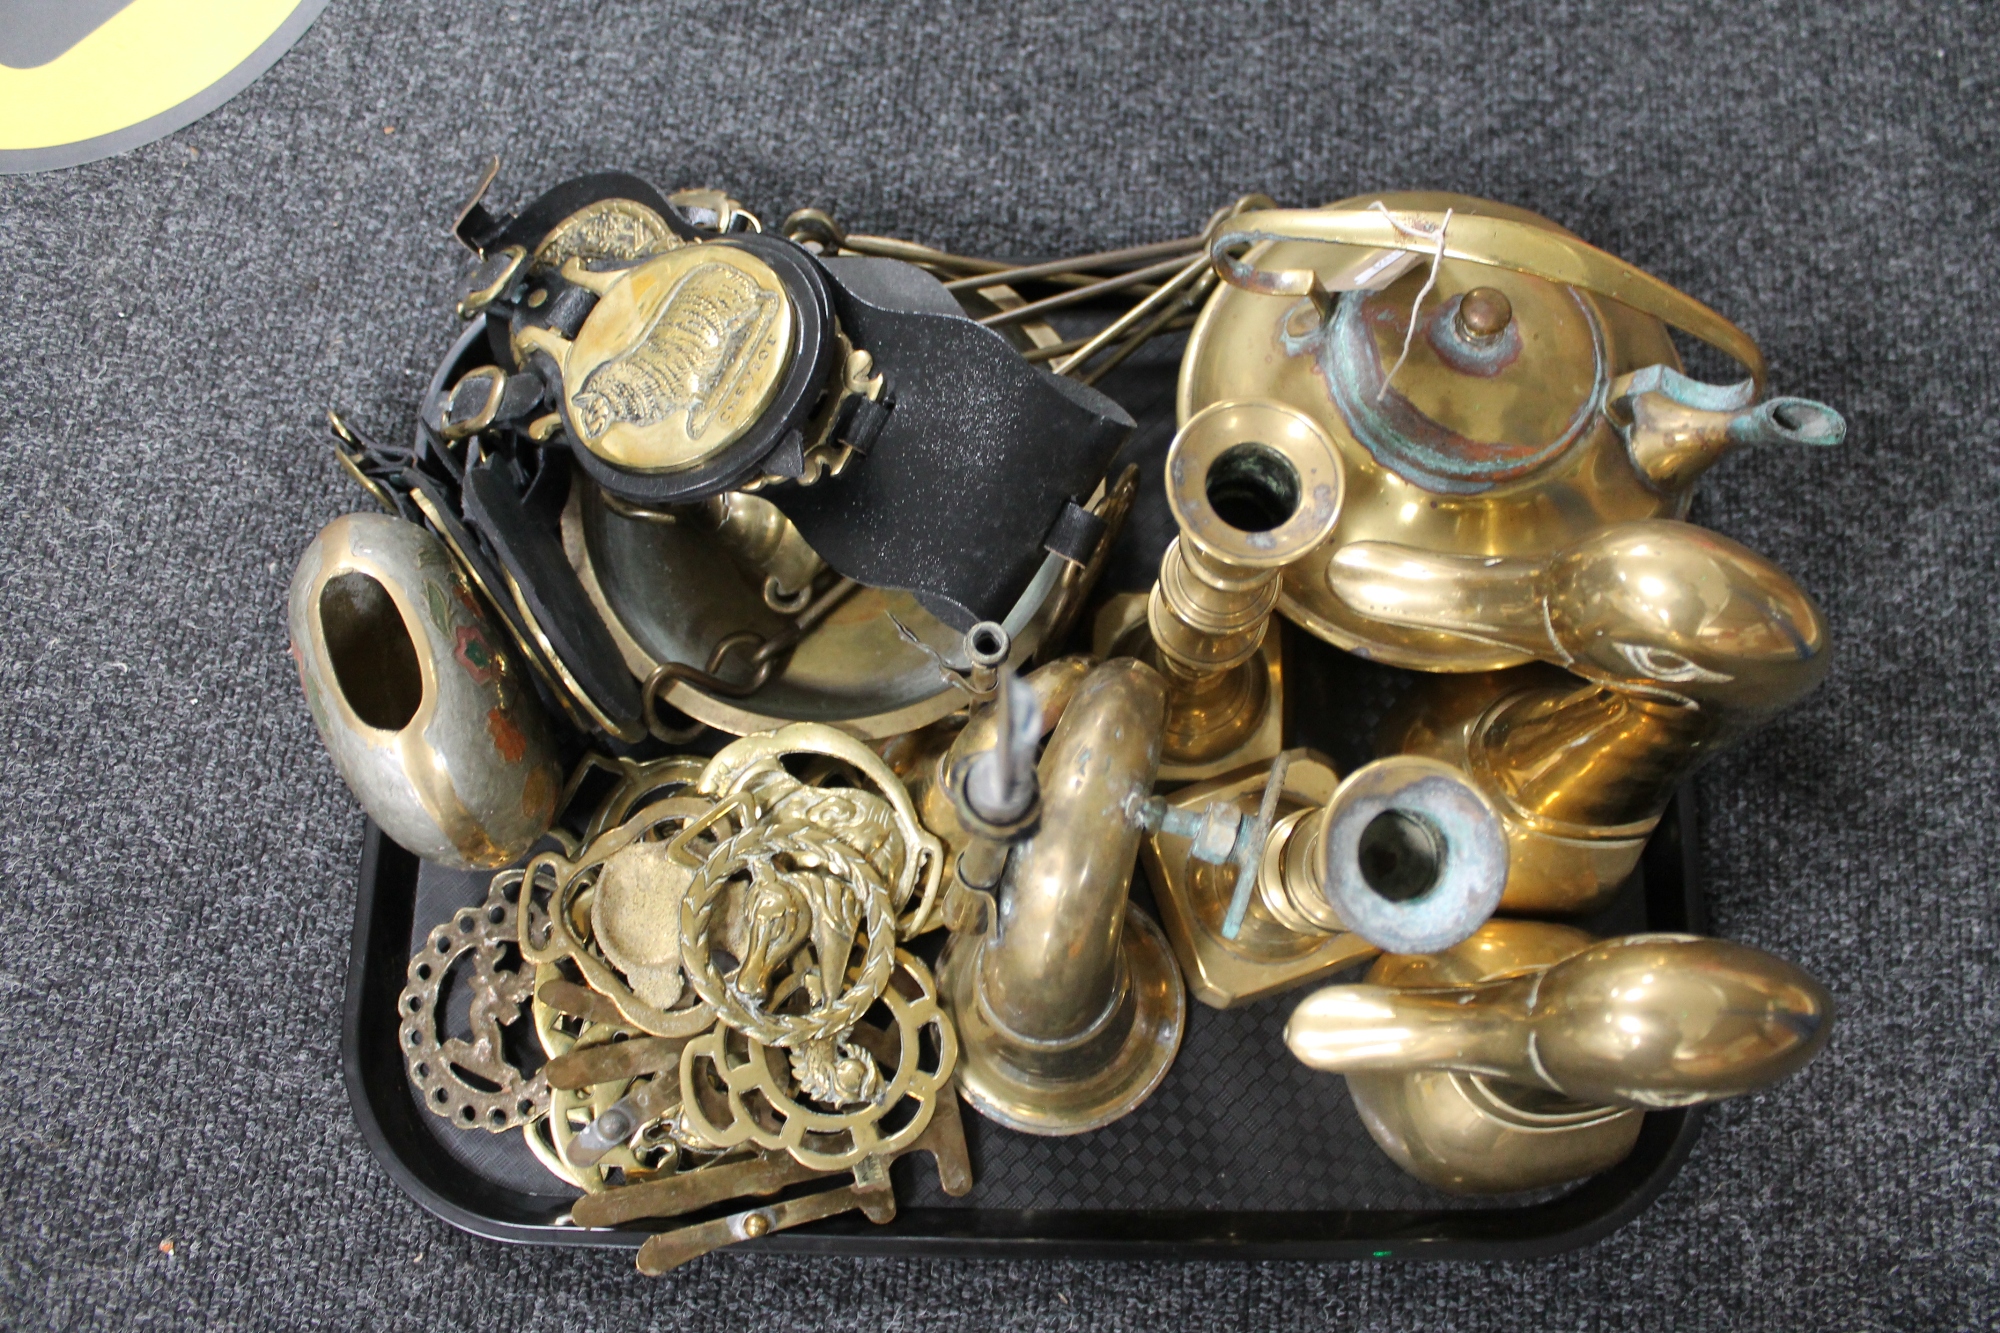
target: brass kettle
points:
(1493, 385)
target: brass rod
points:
(1131, 254)
(1178, 320)
(1054, 350)
(1085, 293)
(888, 247)
(1175, 316)
(1110, 332)
(944, 265)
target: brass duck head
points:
(1651, 606)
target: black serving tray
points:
(1242, 1152)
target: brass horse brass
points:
(679, 357)
(618, 229)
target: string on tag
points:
(1430, 281)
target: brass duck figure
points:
(1523, 1056)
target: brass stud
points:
(1483, 313)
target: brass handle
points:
(1523, 247)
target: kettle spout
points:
(1677, 427)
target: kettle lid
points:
(1501, 375)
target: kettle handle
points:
(1523, 247)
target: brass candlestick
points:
(1253, 487)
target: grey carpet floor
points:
(177, 856)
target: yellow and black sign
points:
(83, 79)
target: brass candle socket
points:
(1253, 486)
(1069, 1008)
(1404, 854)
(1522, 1057)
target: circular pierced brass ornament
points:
(790, 868)
(650, 1150)
(641, 868)
(736, 1090)
(639, 785)
(472, 1083)
(859, 800)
